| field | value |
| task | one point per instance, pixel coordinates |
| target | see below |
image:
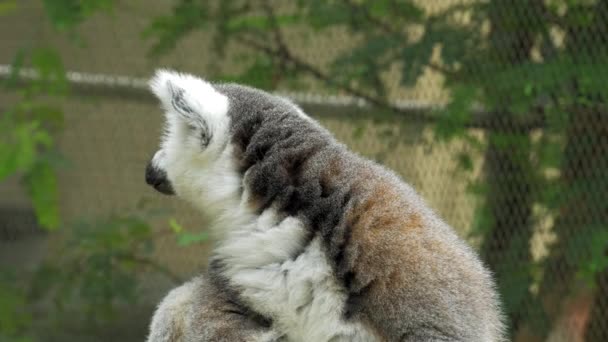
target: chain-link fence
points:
(494, 110)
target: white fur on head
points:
(197, 95)
(194, 150)
(191, 102)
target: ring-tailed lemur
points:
(314, 243)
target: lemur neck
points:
(263, 240)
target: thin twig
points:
(276, 30)
(155, 266)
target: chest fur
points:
(281, 273)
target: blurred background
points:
(496, 112)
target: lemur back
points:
(318, 241)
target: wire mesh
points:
(524, 179)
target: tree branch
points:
(276, 30)
(285, 56)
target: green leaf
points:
(587, 250)
(528, 89)
(48, 64)
(415, 57)
(260, 74)
(359, 130)
(67, 14)
(483, 220)
(16, 66)
(41, 184)
(322, 14)
(185, 239)
(7, 6)
(365, 62)
(260, 22)
(550, 154)
(175, 227)
(465, 161)
(13, 318)
(401, 8)
(48, 114)
(19, 146)
(452, 121)
(168, 30)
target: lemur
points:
(313, 242)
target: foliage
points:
(97, 267)
(27, 150)
(26, 129)
(93, 276)
(184, 238)
(513, 69)
(14, 320)
(66, 15)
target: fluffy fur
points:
(314, 243)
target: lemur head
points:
(196, 130)
(204, 124)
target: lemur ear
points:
(181, 106)
(193, 99)
(170, 88)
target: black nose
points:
(157, 178)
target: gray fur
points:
(404, 272)
(202, 311)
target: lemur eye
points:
(205, 135)
(202, 132)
